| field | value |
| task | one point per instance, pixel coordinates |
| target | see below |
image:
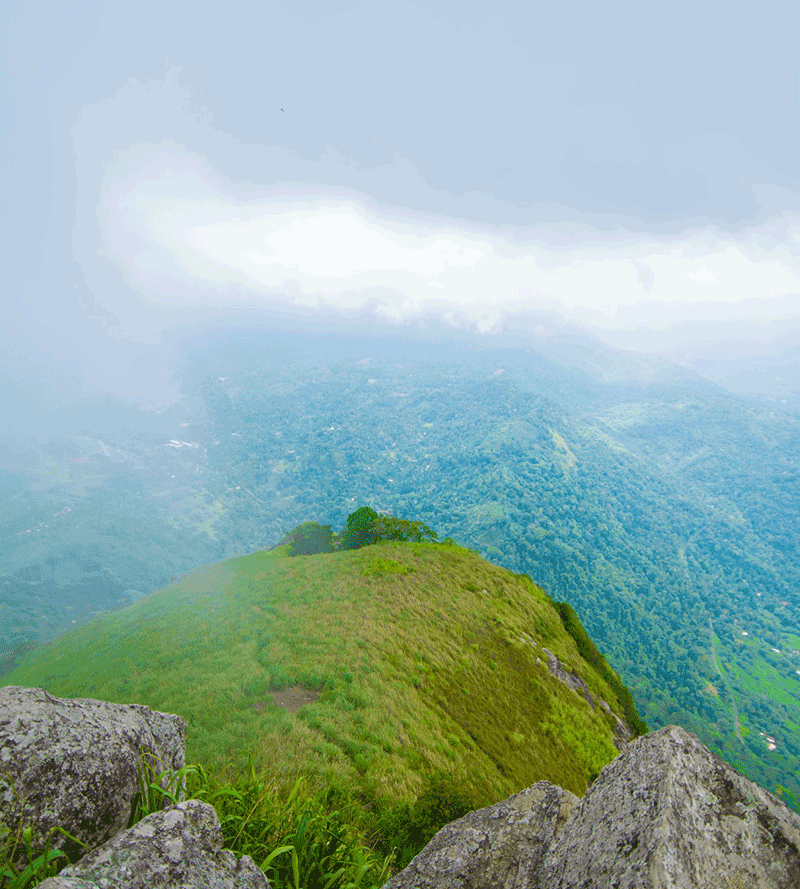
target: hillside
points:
(657, 504)
(365, 670)
(660, 506)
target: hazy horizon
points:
(389, 167)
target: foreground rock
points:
(665, 814)
(502, 845)
(73, 763)
(180, 849)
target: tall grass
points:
(297, 839)
(425, 660)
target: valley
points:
(648, 498)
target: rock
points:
(623, 733)
(180, 848)
(73, 763)
(665, 814)
(502, 845)
(668, 814)
(571, 680)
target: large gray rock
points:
(177, 849)
(499, 846)
(665, 814)
(73, 763)
(669, 814)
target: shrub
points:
(406, 829)
(311, 538)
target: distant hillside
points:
(661, 507)
(367, 670)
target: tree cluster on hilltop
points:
(363, 527)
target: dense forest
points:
(662, 508)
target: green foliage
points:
(360, 530)
(297, 838)
(157, 789)
(407, 828)
(311, 538)
(390, 528)
(591, 654)
(365, 527)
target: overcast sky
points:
(625, 164)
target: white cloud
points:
(703, 275)
(173, 218)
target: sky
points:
(624, 166)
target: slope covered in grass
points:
(406, 661)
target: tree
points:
(390, 528)
(360, 530)
(310, 538)
(365, 526)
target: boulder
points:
(668, 814)
(665, 814)
(180, 848)
(502, 845)
(74, 763)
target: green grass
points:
(792, 640)
(297, 839)
(420, 656)
(761, 677)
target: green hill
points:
(660, 506)
(370, 671)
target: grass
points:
(295, 839)
(428, 667)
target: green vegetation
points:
(355, 701)
(297, 840)
(364, 526)
(311, 538)
(591, 655)
(22, 865)
(647, 498)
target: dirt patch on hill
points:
(294, 697)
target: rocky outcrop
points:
(665, 814)
(571, 680)
(177, 849)
(669, 813)
(75, 764)
(502, 845)
(623, 733)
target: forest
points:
(661, 507)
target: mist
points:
(383, 171)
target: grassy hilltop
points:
(370, 671)
(661, 507)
